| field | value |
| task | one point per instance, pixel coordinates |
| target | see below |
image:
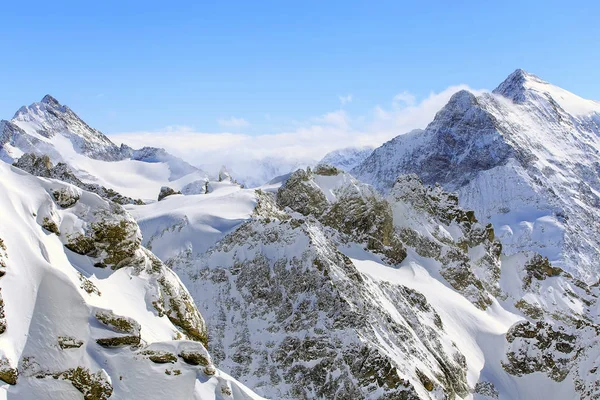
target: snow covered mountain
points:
(131, 274)
(346, 158)
(525, 157)
(86, 311)
(48, 118)
(50, 129)
(322, 288)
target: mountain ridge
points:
(518, 159)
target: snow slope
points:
(193, 223)
(76, 325)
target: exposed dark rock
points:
(166, 191)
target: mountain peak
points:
(51, 101)
(462, 96)
(459, 103)
(516, 84)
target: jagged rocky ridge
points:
(291, 313)
(329, 290)
(85, 310)
(524, 157)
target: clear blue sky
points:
(126, 66)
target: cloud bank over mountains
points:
(307, 141)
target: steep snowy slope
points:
(524, 157)
(328, 290)
(193, 223)
(49, 128)
(346, 158)
(85, 311)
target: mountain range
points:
(457, 261)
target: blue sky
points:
(267, 67)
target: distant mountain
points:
(257, 172)
(177, 166)
(48, 118)
(347, 158)
(525, 157)
(48, 128)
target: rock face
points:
(330, 290)
(97, 310)
(339, 201)
(302, 320)
(561, 333)
(166, 191)
(291, 314)
(430, 221)
(524, 158)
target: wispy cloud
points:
(233, 122)
(345, 99)
(404, 99)
(337, 118)
(310, 140)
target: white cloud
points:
(233, 122)
(404, 99)
(335, 118)
(345, 99)
(306, 141)
(406, 114)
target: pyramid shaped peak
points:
(516, 84)
(51, 101)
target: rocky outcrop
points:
(303, 317)
(353, 209)
(166, 191)
(431, 222)
(118, 324)
(93, 386)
